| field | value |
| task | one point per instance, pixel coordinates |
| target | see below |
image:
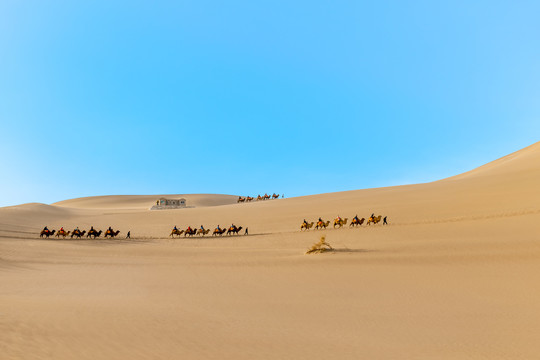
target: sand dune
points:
(453, 276)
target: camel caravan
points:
(92, 233)
(231, 230)
(339, 222)
(259, 198)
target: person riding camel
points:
(46, 229)
(175, 228)
(202, 228)
(320, 220)
(305, 222)
(188, 229)
(356, 217)
(218, 228)
(61, 230)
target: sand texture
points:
(453, 276)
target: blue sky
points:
(246, 97)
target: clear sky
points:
(244, 97)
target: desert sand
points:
(453, 276)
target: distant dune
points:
(453, 275)
(144, 202)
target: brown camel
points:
(219, 232)
(234, 230)
(112, 233)
(322, 224)
(241, 199)
(94, 233)
(356, 222)
(62, 233)
(374, 219)
(176, 232)
(306, 226)
(190, 232)
(77, 233)
(46, 233)
(340, 223)
(203, 232)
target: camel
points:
(94, 233)
(259, 197)
(234, 230)
(374, 219)
(62, 233)
(241, 199)
(275, 196)
(306, 226)
(340, 223)
(219, 232)
(190, 232)
(248, 199)
(176, 232)
(47, 233)
(112, 233)
(203, 232)
(356, 222)
(77, 233)
(266, 197)
(322, 224)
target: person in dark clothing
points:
(384, 221)
(128, 236)
(246, 233)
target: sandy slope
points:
(453, 275)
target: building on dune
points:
(166, 204)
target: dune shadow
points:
(347, 250)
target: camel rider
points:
(305, 222)
(320, 221)
(61, 229)
(338, 219)
(92, 229)
(175, 228)
(202, 228)
(218, 228)
(188, 229)
(45, 229)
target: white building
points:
(164, 203)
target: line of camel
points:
(92, 233)
(339, 222)
(231, 230)
(258, 198)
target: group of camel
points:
(259, 197)
(338, 222)
(92, 233)
(232, 230)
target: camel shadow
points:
(347, 250)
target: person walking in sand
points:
(246, 232)
(384, 221)
(128, 236)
